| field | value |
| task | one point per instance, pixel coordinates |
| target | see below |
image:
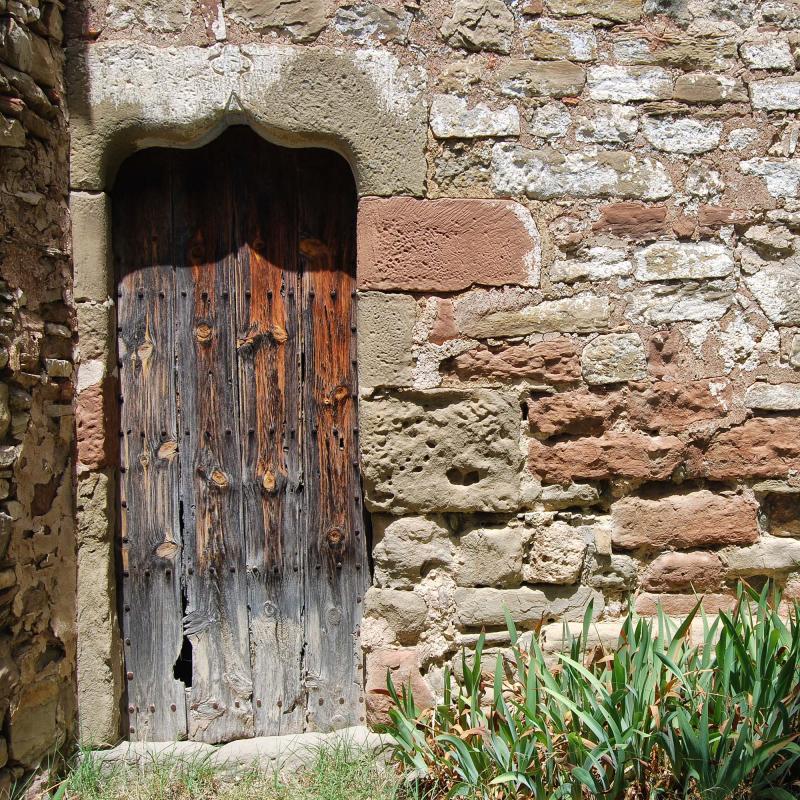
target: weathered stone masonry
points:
(579, 325)
(37, 536)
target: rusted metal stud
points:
(173, 707)
(126, 608)
(128, 642)
(131, 709)
(321, 701)
(147, 573)
(124, 503)
(333, 293)
(352, 293)
(341, 701)
(215, 706)
(279, 704)
(129, 676)
(125, 573)
(233, 569)
(258, 704)
(152, 709)
(132, 730)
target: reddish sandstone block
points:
(95, 411)
(762, 447)
(578, 413)
(634, 220)
(715, 216)
(669, 407)
(679, 605)
(444, 245)
(404, 669)
(444, 326)
(684, 572)
(613, 455)
(545, 362)
(699, 519)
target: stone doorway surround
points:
(125, 96)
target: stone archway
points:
(363, 105)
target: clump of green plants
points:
(339, 772)
(658, 717)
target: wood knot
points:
(219, 478)
(168, 450)
(279, 334)
(338, 395)
(167, 549)
(268, 481)
(334, 537)
(313, 248)
(203, 333)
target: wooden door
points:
(244, 554)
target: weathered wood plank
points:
(338, 570)
(269, 397)
(216, 617)
(150, 526)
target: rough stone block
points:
(697, 519)
(776, 94)
(767, 54)
(681, 605)
(555, 552)
(633, 220)
(613, 455)
(33, 724)
(515, 312)
(403, 666)
(303, 20)
(95, 411)
(365, 102)
(385, 338)
(440, 450)
(629, 84)
(681, 135)
(91, 214)
(613, 10)
(675, 406)
(554, 39)
(365, 21)
(781, 176)
(476, 608)
(452, 118)
(612, 124)
(407, 548)
(547, 174)
(479, 25)
(614, 358)
(770, 555)
(526, 78)
(95, 330)
(445, 245)
(404, 612)
(490, 556)
(163, 16)
(783, 513)
(598, 264)
(682, 49)
(551, 362)
(684, 572)
(577, 413)
(776, 287)
(667, 261)
(773, 396)
(661, 304)
(705, 87)
(762, 447)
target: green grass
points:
(338, 773)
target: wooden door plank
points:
(269, 397)
(338, 570)
(216, 616)
(150, 526)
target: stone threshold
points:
(268, 753)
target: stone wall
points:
(579, 342)
(37, 582)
